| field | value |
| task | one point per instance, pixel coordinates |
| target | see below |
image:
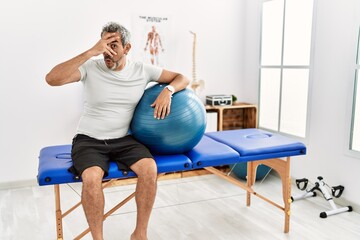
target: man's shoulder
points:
(143, 66)
(94, 62)
(136, 64)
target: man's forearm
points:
(66, 72)
(180, 82)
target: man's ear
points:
(127, 48)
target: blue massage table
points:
(253, 146)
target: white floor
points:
(195, 208)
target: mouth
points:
(108, 60)
(110, 63)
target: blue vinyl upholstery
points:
(214, 149)
(55, 161)
(257, 144)
(212, 153)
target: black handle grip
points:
(337, 191)
(302, 183)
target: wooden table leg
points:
(59, 230)
(250, 180)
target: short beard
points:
(113, 68)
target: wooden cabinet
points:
(236, 116)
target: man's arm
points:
(162, 104)
(68, 72)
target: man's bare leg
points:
(92, 199)
(146, 170)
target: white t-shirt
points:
(110, 97)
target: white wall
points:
(36, 35)
(332, 79)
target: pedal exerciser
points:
(321, 187)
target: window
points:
(355, 133)
(284, 65)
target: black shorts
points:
(88, 152)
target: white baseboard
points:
(18, 184)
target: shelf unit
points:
(236, 116)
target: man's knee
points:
(145, 167)
(92, 177)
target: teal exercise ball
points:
(240, 171)
(177, 133)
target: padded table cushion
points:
(214, 149)
(256, 144)
(209, 152)
(55, 161)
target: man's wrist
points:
(170, 88)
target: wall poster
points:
(150, 39)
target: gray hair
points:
(115, 27)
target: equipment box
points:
(218, 100)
